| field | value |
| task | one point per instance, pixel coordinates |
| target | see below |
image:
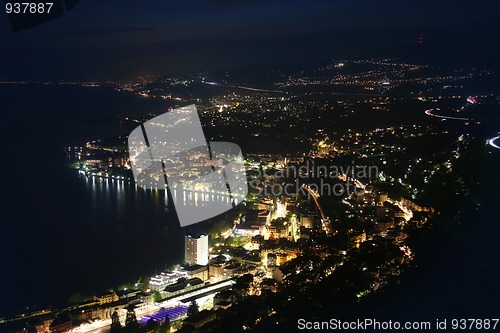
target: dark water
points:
(61, 233)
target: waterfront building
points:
(106, 297)
(196, 250)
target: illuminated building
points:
(199, 319)
(356, 239)
(383, 197)
(324, 147)
(159, 282)
(306, 220)
(254, 222)
(271, 260)
(61, 325)
(195, 271)
(105, 297)
(196, 250)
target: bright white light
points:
(492, 142)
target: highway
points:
(242, 87)
(430, 113)
(494, 142)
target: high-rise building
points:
(196, 250)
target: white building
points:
(159, 282)
(196, 250)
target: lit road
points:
(324, 219)
(494, 142)
(408, 213)
(431, 113)
(242, 87)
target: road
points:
(494, 142)
(431, 113)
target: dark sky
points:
(132, 37)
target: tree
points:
(131, 323)
(141, 284)
(76, 298)
(156, 296)
(165, 327)
(152, 325)
(126, 286)
(115, 323)
(218, 228)
(243, 283)
(193, 309)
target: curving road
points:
(241, 87)
(324, 219)
(495, 142)
(430, 113)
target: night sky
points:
(118, 38)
